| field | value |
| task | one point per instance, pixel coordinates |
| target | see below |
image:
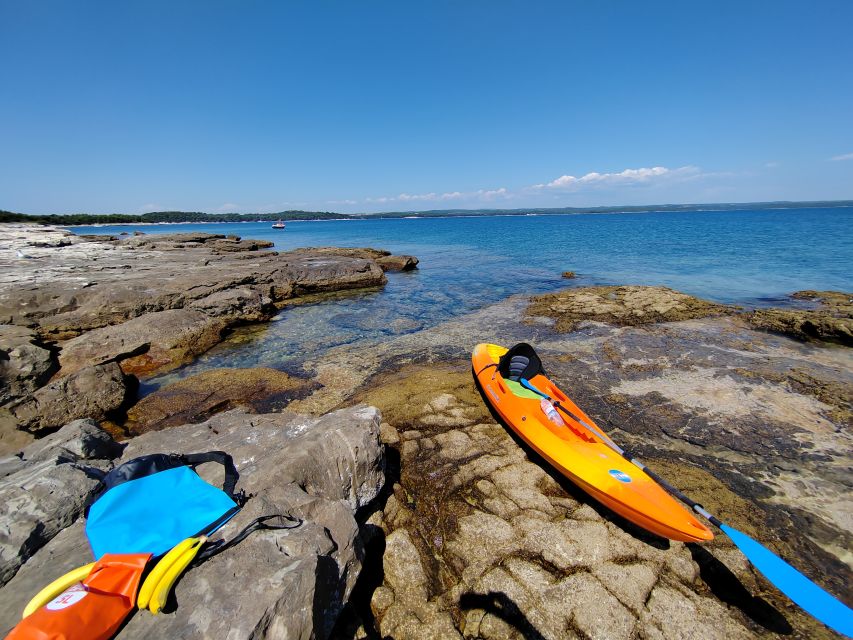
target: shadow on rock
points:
(571, 488)
(357, 611)
(501, 606)
(725, 585)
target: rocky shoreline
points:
(82, 317)
(425, 517)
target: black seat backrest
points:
(520, 361)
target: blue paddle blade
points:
(814, 600)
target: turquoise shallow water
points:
(748, 257)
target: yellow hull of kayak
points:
(579, 455)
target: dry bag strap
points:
(231, 475)
(275, 521)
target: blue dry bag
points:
(152, 503)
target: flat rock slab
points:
(383, 258)
(153, 342)
(621, 306)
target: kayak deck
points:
(580, 455)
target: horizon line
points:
(462, 211)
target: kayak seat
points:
(521, 361)
(517, 365)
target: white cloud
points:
(480, 194)
(228, 207)
(771, 165)
(627, 177)
(844, 156)
(341, 202)
(494, 193)
(418, 197)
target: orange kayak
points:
(576, 452)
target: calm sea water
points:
(747, 257)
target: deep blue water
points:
(748, 257)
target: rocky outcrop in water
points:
(622, 306)
(831, 321)
(384, 259)
(274, 584)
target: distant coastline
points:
(198, 217)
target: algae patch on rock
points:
(195, 399)
(832, 321)
(621, 306)
(421, 395)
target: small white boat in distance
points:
(278, 225)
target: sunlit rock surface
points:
(753, 425)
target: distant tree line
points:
(198, 216)
(165, 216)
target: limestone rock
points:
(510, 549)
(149, 302)
(274, 584)
(242, 305)
(12, 439)
(397, 263)
(838, 303)
(235, 244)
(621, 306)
(831, 321)
(93, 392)
(78, 440)
(78, 284)
(300, 273)
(291, 584)
(152, 342)
(346, 252)
(383, 258)
(43, 490)
(411, 615)
(24, 363)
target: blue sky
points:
(376, 106)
